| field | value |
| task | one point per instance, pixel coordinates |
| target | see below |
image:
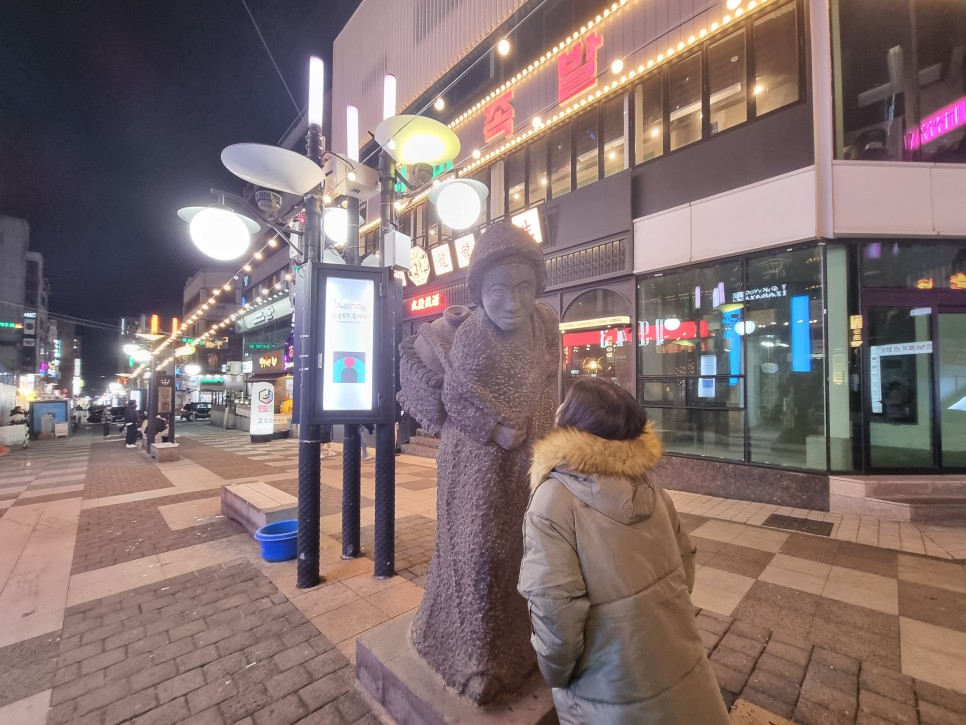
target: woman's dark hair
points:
(599, 407)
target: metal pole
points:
(152, 407)
(310, 468)
(351, 464)
(385, 524)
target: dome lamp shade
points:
(417, 139)
(220, 233)
(459, 202)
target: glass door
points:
(899, 374)
(915, 372)
(951, 398)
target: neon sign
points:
(426, 302)
(945, 120)
(498, 117)
(577, 67)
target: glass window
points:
(538, 179)
(483, 177)
(873, 53)
(904, 265)
(593, 349)
(587, 146)
(433, 227)
(940, 33)
(516, 180)
(685, 101)
(560, 160)
(649, 115)
(780, 318)
(728, 82)
(776, 60)
(691, 356)
(612, 113)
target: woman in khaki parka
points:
(608, 570)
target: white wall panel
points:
(875, 197)
(778, 211)
(949, 199)
(663, 240)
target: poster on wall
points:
(263, 409)
(349, 343)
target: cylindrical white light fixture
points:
(316, 90)
(219, 233)
(130, 348)
(459, 202)
(352, 132)
(335, 221)
(192, 368)
(388, 96)
(141, 355)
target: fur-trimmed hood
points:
(609, 476)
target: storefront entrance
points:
(915, 368)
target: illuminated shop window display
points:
(731, 359)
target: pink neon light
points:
(946, 119)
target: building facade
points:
(751, 214)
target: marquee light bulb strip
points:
(539, 126)
(270, 245)
(545, 58)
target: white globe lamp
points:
(192, 369)
(335, 221)
(219, 233)
(459, 202)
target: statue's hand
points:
(508, 438)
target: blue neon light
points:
(801, 335)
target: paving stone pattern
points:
(113, 470)
(109, 535)
(221, 645)
(226, 464)
(331, 496)
(415, 536)
(812, 685)
(27, 667)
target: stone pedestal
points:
(399, 680)
(162, 452)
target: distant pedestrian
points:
(106, 420)
(131, 422)
(364, 442)
(326, 439)
(608, 569)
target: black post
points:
(351, 465)
(385, 525)
(152, 405)
(310, 467)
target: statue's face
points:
(509, 293)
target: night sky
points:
(113, 115)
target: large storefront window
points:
(587, 147)
(777, 80)
(726, 76)
(612, 114)
(900, 90)
(784, 339)
(685, 102)
(731, 359)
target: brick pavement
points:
(109, 535)
(226, 464)
(113, 469)
(220, 645)
(798, 638)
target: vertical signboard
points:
(347, 324)
(349, 344)
(165, 395)
(262, 422)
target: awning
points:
(265, 377)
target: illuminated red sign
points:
(577, 67)
(660, 332)
(426, 302)
(498, 117)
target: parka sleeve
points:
(553, 584)
(685, 545)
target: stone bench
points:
(255, 504)
(165, 452)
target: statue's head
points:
(506, 275)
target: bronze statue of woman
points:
(485, 380)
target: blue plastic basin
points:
(278, 540)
